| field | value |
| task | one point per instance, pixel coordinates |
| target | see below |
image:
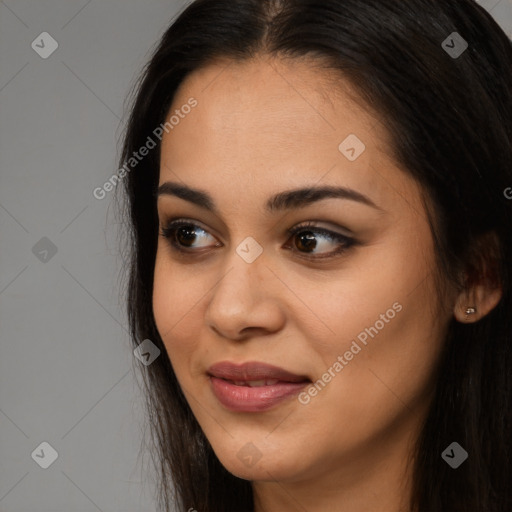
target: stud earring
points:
(470, 310)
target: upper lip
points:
(252, 370)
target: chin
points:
(250, 464)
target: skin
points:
(262, 127)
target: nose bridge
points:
(245, 266)
(242, 297)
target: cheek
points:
(388, 361)
(177, 303)
(384, 292)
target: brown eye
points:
(309, 238)
(182, 235)
(185, 235)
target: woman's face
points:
(363, 326)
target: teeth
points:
(256, 383)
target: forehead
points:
(273, 124)
(274, 89)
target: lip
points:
(243, 398)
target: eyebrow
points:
(287, 200)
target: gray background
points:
(66, 365)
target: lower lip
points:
(247, 399)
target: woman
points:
(321, 237)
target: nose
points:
(246, 301)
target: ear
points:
(483, 289)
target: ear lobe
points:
(482, 297)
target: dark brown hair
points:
(450, 122)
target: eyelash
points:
(168, 232)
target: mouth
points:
(254, 383)
(253, 386)
(254, 372)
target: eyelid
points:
(313, 223)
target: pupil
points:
(190, 234)
(310, 241)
